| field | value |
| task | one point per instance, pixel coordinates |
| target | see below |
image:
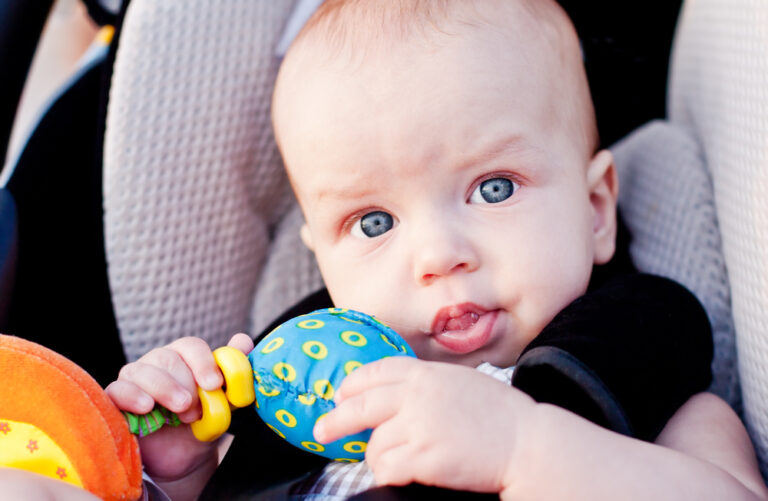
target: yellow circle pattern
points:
(351, 365)
(324, 389)
(269, 393)
(284, 371)
(315, 349)
(286, 418)
(354, 338)
(307, 399)
(313, 446)
(273, 345)
(355, 447)
(310, 324)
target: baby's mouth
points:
(463, 328)
(462, 322)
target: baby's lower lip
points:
(472, 338)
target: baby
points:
(444, 154)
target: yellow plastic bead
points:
(216, 415)
(238, 375)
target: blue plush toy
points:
(295, 371)
(299, 365)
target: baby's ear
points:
(306, 236)
(603, 193)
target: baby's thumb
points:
(242, 342)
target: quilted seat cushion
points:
(666, 199)
(719, 93)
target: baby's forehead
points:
(341, 39)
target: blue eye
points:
(493, 191)
(373, 224)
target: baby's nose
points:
(441, 254)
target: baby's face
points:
(443, 194)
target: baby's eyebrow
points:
(511, 144)
(360, 188)
(345, 191)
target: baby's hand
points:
(434, 423)
(169, 376)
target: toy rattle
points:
(292, 375)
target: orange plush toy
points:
(56, 420)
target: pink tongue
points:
(461, 323)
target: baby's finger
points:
(158, 384)
(129, 397)
(386, 436)
(171, 361)
(359, 412)
(395, 466)
(390, 370)
(198, 357)
(242, 342)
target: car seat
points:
(196, 233)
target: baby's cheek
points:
(554, 287)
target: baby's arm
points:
(446, 425)
(703, 453)
(169, 376)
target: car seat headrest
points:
(193, 182)
(719, 75)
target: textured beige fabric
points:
(289, 275)
(192, 179)
(719, 91)
(667, 202)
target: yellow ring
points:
(286, 418)
(310, 324)
(307, 399)
(237, 370)
(313, 446)
(324, 389)
(322, 350)
(216, 415)
(355, 447)
(271, 393)
(354, 338)
(347, 460)
(284, 371)
(351, 365)
(273, 345)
